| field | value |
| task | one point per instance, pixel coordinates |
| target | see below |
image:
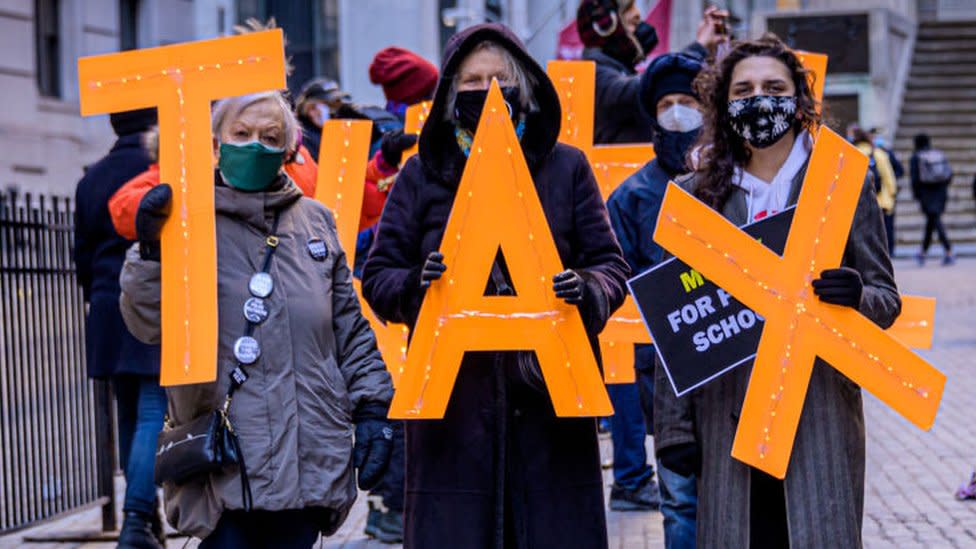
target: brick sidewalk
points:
(911, 475)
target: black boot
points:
(158, 529)
(137, 532)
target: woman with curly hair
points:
(754, 150)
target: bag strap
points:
(238, 376)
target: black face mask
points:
(468, 105)
(671, 149)
(762, 119)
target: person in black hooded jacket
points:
(500, 469)
(617, 40)
(112, 352)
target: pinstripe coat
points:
(824, 484)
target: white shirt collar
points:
(768, 198)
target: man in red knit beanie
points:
(406, 78)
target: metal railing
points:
(53, 420)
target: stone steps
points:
(933, 69)
(943, 31)
(940, 100)
(913, 236)
(957, 205)
(904, 144)
(937, 94)
(945, 57)
(961, 190)
(945, 118)
(937, 81)
(938, 106)
(953, 44)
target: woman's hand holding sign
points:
(842, 286)
(569, 286)
(433, 269)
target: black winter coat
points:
(99, 253)
(500, 470)
(618, 116)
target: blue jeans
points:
(679, 504)
(630, 467)
(141, 405)
(679, 495)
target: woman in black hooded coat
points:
(500, 470)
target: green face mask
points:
(251, 167)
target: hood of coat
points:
(254, 208)
(439, 152)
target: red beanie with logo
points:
(405, 76)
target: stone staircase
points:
(940, 100)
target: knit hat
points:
(405, 76)
(669, 73)
(130, 122)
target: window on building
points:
(221, 21)
(312, 30)
(128, 24)
(48, 47)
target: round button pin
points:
(317, 249)
(261, 285)
(255, 310)
(246, 350)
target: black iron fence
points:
(53, 420)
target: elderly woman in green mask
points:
(311, 391)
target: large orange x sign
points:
(181, 80)
(799, 327)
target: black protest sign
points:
(699, 330)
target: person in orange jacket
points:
(124, 203)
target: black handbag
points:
(203, 446)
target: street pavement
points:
(911, 475)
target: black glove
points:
(684, 459)
(433, 269)
(841, 286)
(154, 209)
(570, 286)
(393, 144)
(374, 443)
(646, 36)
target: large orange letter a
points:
(496, 206)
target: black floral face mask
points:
(762, 119)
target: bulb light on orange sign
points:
(181, 81)
(915, 326)
(456, 317)
(799, 327)
(343, 155)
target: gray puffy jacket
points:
(319, 361)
